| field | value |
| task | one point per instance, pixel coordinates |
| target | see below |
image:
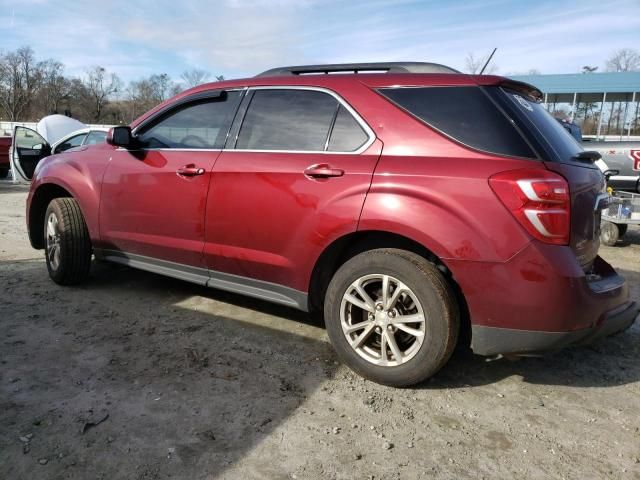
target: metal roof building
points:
(617, 93)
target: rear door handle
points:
(323, 171)
(190, 170)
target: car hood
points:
(53, 127)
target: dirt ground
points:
(142, 377)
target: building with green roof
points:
(603, 104)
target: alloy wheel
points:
(382, 319)
(53, 241)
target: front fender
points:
(79, 173)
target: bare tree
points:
(624, 60)
(54, 87)
(161, 85)
(175, 89)
(194, 77)
(474, 65)
(139, 96)
(19, 80)
(100, 88)
(31, 89)
(148, 92)
(79, 103)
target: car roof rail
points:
(375, 67)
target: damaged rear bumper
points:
(495, 340)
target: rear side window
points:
(202, 124)
(347, 135)
(466, 114)
(287, 120)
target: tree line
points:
(622, 60)
(31, 89)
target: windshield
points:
(535, 118)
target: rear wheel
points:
(391, 316)
(67, 243)
(609, 233)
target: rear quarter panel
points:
(436, 192)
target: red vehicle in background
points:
(412, 206)
(5, 148)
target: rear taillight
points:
(540, 201)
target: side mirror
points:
(120, 137)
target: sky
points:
(239, 38)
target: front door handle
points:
(323, 170)
(190, 170)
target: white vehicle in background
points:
(621, 157)
(53, 134)
(79, 138)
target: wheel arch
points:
(352, 244)
(38, 207)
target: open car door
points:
(30, 146)
(27, 150)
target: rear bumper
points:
(541, 299)
(495, 340)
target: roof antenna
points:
(488, 60)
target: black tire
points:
(4, 171)
(438, 302)
(622, 229)
(74, 261)
(609, 233)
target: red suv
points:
(411, 204)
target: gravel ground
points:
(142, 377)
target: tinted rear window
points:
(465, 114)
(534, 116)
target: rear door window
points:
(465, 114)
(287, 119)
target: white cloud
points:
(239, 35)
(244, 37)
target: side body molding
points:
(209, 278)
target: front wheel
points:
(391, 316)
(67, 242)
